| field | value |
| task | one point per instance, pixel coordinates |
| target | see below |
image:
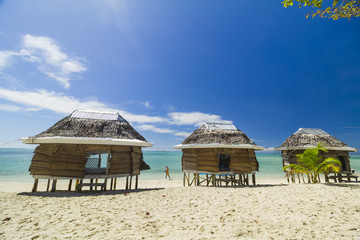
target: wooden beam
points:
(48, 185)
(136, 181)
(53, 188)
(36, 181)
(184, 179)
(130, 182)
(70, 183)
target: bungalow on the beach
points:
(309, 138)
(73, 148)
(218, 153)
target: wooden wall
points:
(207, 160)
(68, 160)
(289, 156)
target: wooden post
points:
(136, 181)
(188, 179)
(326, 177)
(111, 184)
(127, 183)
(253, 179)
(130, 182)
(96, 181)
(247, 179)
(184, 179)
(76, 184)
(70, 182)
(53, 188)
(220, 182)
(115, 184)
(213, 179)
(91, 181)
(207, 179)
(198, 179)
(36, 181)
(48, 185)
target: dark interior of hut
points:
(224, 162)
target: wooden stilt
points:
(184, 179)
(198, 179)
(213, 180)
(48, 185)
(76, 184)
(253, 179)
(105, 185)
(207, 179)
(111, 183)
(115, 183)
(96, 181)
(136, 181)
(36, 181)
(247, 179)
(53, 188)
(127, 183)
(130, 182)
(70, 183)
(326, 177)
(188, 179)
(91, 181)
(220, 182)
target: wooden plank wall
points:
(59, 160)
(68, 160)
(120, 160)
(243, 160)
(207, 160)
(188, 160)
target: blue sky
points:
(168, 66)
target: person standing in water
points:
(167, 173)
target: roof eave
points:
(348, 149)
(81, 140)
(243, 146)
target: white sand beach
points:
(166, 210)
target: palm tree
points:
(312, 165)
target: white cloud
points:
(52, 61)
(9, 108)
(6, 58)
(47, 55)
(152, 128)
(141, 118)
(59, 103)
(49, 100)
(147, 104)
(193, 118)
(182, 134)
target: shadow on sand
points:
(61, 194)
(355, 185)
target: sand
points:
(166, 210)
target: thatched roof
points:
(218, 135)
(310, 137)
(91, 127)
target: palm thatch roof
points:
(91, 127)
(310, 137)
(218, 135)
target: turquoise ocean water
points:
(15, 165)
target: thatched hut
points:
(219, 150)
(309, 138)
(72, 149)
